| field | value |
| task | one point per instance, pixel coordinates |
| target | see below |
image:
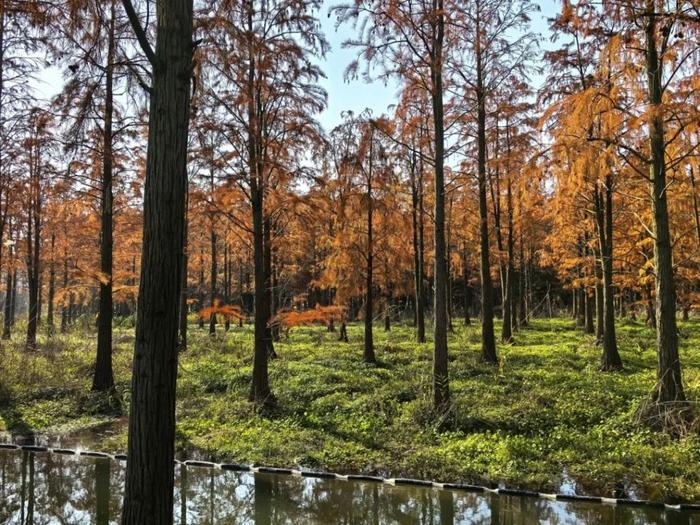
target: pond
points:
(47, 488)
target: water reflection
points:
(46, 489)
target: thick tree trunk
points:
(103, 379)
(669, 389)
(148, 493)
(441, 390)
(260, 388)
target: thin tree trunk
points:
(611, 359)
(522, 295)
(182, 343)
(599, 297)
(696, 205)
(103, 378)
(416, 212)
(227, 284)
(213, 277)
(368, 353)
(7, 317)
(52, 289)
(589, 327)
(269, 292)
(467, 286)
(200, 291)
(33, 244)
(488, 341)
(507, 331)
(65, 313)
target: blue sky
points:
(358, 95)
(355, 95)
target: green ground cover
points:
(545, 415)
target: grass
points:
(544, 416)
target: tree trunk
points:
(182, 344)
(65, 313)
(669, 387)
(651, 310)
(368, 354)
(7, 318)
(488, 341)
(213, 276)
(260, 389)
(507, 331)
(103, 379)
(13, 302)
(269, 297)
(696, 205)
(441, 391)
(522, 295)
(148, 493)
(260, 392)
(227, 284)
(589, 327)
(33, 245)
(611, 359)
(599, 297)
(467, 286)
(200, 291)
(52, 290)
(416, 214)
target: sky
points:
(358, 95)
(355, 95)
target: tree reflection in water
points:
(43, 489)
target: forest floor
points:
(544, 419)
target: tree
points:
(667, 39)
(148, 495)
(90, 30)
(406, 39)
(265, 96)
(496, 44)
(360, 162)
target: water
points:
(43, 489)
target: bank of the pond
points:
(546, 419)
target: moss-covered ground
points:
(544, 417)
